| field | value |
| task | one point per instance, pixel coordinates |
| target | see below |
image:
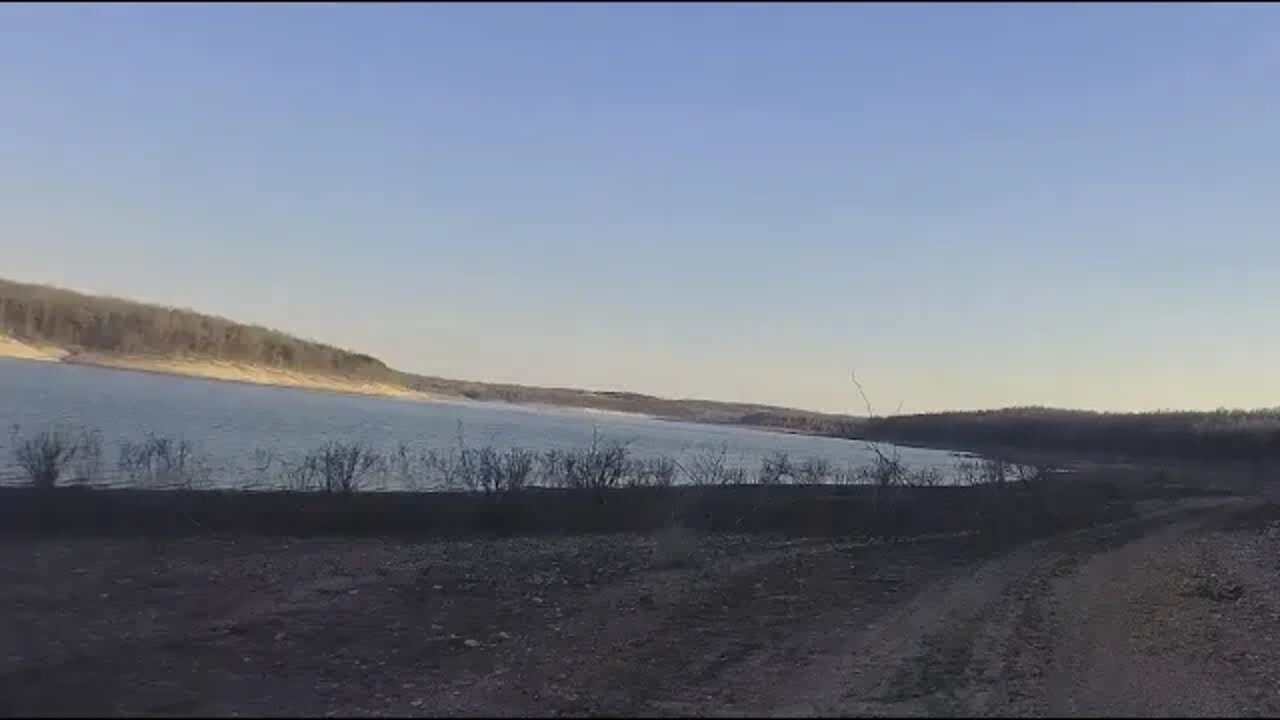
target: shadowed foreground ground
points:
(1171, 609)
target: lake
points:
(236, 430)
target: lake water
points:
(234, 427)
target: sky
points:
(970, 206)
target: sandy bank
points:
(616, 413)
(13, 348)
(209, 370)
(240, 372)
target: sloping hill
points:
(42, 322)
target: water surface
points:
(234, 426)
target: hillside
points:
(37, 314)
(50, 323)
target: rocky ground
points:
(1174, 612)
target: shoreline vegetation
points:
(69, 455)
(51, 324)
(163, 486)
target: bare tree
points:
(886, 473)
(887, 469)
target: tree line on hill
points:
(109, 326)
(1221, 434)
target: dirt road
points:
(1173, 613)
(1163, 616)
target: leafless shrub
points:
(814, 471)
(848, 475)
(967, 473)
(485, 470)
(994, 471)
(476, 469)
(87, 464)
(924, 477)
(410, 468)
(1030, 476)
(709, 467)
(262, 468)
(885, 470)
(586, 469)
(775, 468)
(601, 466)
(512, 471)
(335, 467)
(438, 468)
(45, 456)
(653, 472)
(345, 467)
(302, 475)
(1000, 473)
(161, 462)
(556, 465)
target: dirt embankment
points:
(1172, 612)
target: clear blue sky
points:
(973, 206)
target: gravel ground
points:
(521, 626)
(1158, 616)
(1175, 612)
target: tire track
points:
(987, 643)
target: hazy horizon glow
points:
(972, 206)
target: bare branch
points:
(865, 402)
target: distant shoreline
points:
(48, 324)
(245, 374)
(221, 371)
